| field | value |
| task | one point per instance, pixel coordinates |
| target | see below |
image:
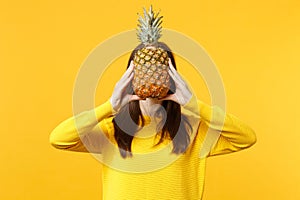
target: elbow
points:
(59, 144)
(56, 141)
(251, 139)
(246, 141)
(53, 141)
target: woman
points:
(153, 148)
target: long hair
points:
(130, 117)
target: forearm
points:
(226, 133)
(69, 132)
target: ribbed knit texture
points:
(154, 173)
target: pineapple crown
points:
(149, 27)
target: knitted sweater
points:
(153, 172)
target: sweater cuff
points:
(192, 105)
(104, 110)
(190, 102)
(214, 116)
(192, 112)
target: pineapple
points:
(151, 78)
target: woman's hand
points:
(182, 94)
(119, 97)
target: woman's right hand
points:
(119, 97)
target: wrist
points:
(188, 99)
(114, 108)
(104, 110)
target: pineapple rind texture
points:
(151, 78)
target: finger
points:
(174, 71)
(128, 79)
(128, 71)
(135, 97)
(172, 76)
(175, 77)
(131, 65)
(171, 97)
(123, 83)
(171, 66)
(170, 63)
(128, 98)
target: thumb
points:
(171, 97)
(134, 98)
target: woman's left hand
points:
(182, 94)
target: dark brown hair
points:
(129, 119)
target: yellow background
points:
(255, 45)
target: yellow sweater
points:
(152, 172)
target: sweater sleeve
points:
(82, 132)
(234, 134)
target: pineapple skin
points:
(151, 78)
